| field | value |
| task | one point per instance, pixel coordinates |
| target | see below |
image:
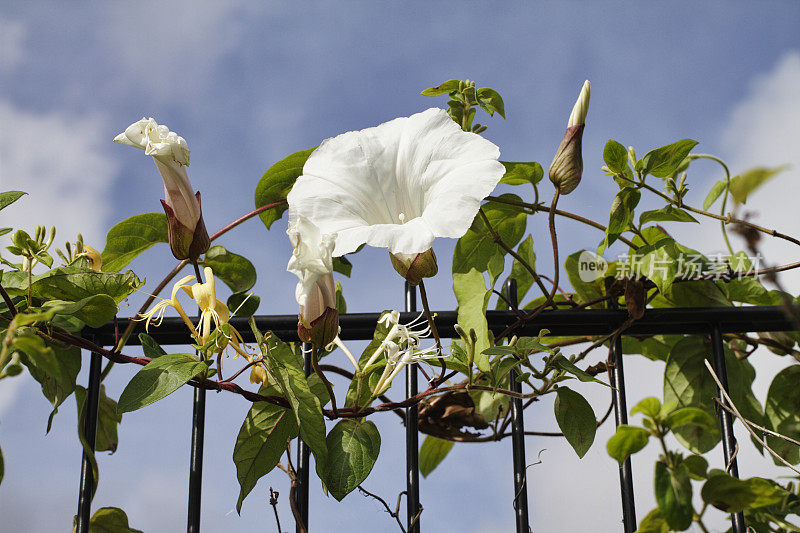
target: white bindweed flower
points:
(311, 262)
(398, 185)
(187, 232)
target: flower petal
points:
(398, 185)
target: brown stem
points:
(499, 241)
(9, 302)
(559, 212)
(321, 374)
(174, 272)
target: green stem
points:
(724, 194)
(328, 386)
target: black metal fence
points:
(712, 322)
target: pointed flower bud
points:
(311, 262)
(567, 166)
(188, 238)
(414, 267)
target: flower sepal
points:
(567, 166)
(414, 267)
(322, 330)
(186, 242)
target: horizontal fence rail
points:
(713, 322)
(361, 326)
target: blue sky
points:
(247, 83)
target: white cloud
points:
(60, 160)
(762, 131)
(12, 33)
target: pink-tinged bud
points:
(414, 267)
(188, 237)
(567, 166)
(184, 241)
(318, 319)
(315, 293)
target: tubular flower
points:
(400, 347)
(397, 186)
(188, 237)
(567, 166)
(312, 263)
(213, 314)
(93, 257)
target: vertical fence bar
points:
(726, 423)
(303, 457)
(412, 433)
(518, 435)
(621, 417)
(196, 459)
(90, 432)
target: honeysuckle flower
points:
(398, 185)
(312, 263)
(213, 314)
(188, 237)
(93, 257)
(567, 166)
(400, 347)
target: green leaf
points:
(476, 248)
(150, 347)
(431, 453)
(747, 182)
(713, 194)
(733, 495)
(562, 363)
(690, 416)
(519, 272)
(674, 496)
(444, 88)
(666, 214)
(106, 439)
(627, 441)
(243, 303)
(286, 370)
(261, 442)
(697, 466)
(653, 523)
(586, 291)
(9, 197)
(55, 369)
(110, 520)
(616, 158)
(648, 407)
(664, 161)
(95, 310)
(276, 183)
(522, 173)
(622, 209)
(576, 419)
(782, 413)
(688, 383)
(236, 271)
(74, 284)
(473, 297)
(353, 447)
(158, 379)
(342, 265)
(131, 237)
(491, 101)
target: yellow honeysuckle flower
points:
(93, 256)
